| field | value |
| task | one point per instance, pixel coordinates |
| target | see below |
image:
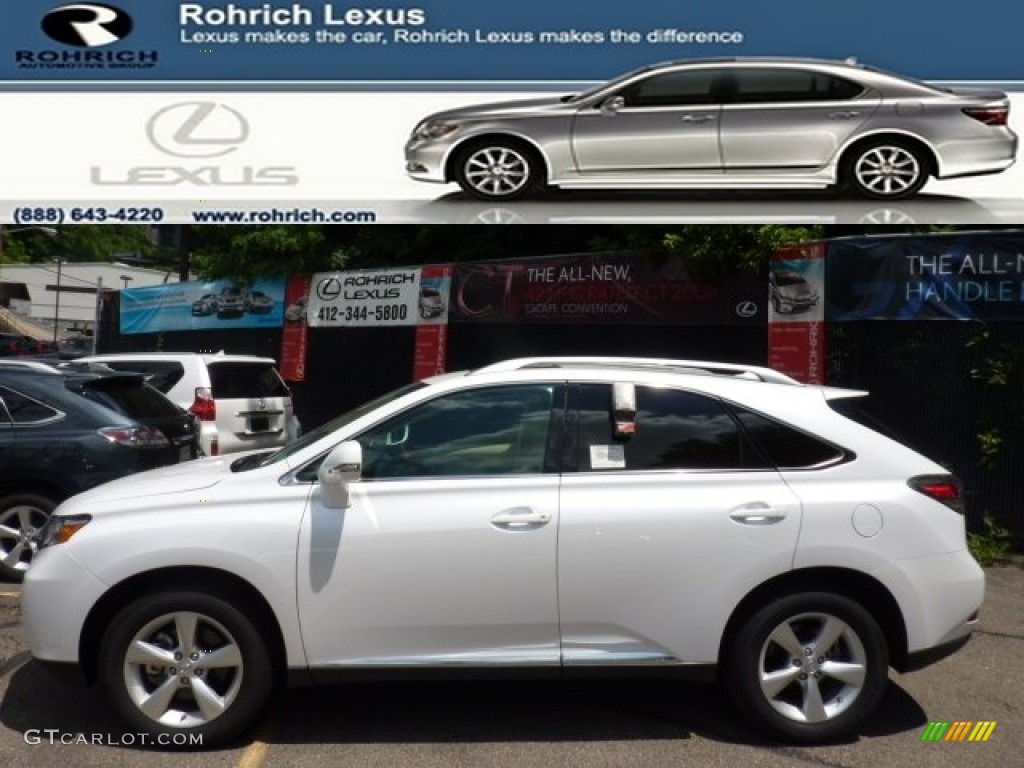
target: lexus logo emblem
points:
(87, 25)
(197, 129)
(328, 289)
(746, 309)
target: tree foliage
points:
(78, 242)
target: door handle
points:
(843, 115)
(520, 518)
(758, 513)
(697, 118)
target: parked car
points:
(63, 431)
(258, 303)
(241, 401)
(567, 515)
(790, 292)
(741, 123)
(231, 302)
(205, 305)
(34, 346)
(432, 303)
(71, 347)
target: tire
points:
(778, 667)
(22, 515)
(885, 170)
(500, 169)
(159, 644)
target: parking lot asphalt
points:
(591, 725)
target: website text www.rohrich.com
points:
(285, 216)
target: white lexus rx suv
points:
(556, 515)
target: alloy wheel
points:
(812, 667)
(19, 525)
(183, 669)
(497, 171)
(888, 170)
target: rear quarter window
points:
(231, 381)
(788, 447)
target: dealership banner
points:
(443, 40)
(325, 112)
(602, 288)
(970, 276)
(193, 306)
(383, 297)
(295, 334)
(796, 313)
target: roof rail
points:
(30, 365)
(757, 373)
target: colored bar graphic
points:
(935, 731)
(958, 730)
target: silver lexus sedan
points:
(743, 123)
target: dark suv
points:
(65, 430)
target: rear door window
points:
(674, 430)
(232, 380)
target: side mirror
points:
(612, 105)
(343, 465)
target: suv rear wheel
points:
(22, 516)
(807, 668)
(179, 663)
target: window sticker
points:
(607, 457)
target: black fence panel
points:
(953, 391)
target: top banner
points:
(464, 40)
(976, 276)
(602, 288)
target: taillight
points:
(989, 115)
(135, 437)
(204, 405)
(944, 489)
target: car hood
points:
(177, 478)
(520, 108)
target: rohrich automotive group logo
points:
(87, 25)
(84, 28)
(198, 131)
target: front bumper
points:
(56, 599)
(425, 160)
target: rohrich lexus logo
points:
(200, 131)
(86, 29)
(197, 129)
(87, 25)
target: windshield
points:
(325, 429)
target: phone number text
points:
(94, 214)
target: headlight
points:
(60, 529)
(434, 130)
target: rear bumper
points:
(940, 597)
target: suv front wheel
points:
(176, 664)
(807, 668)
